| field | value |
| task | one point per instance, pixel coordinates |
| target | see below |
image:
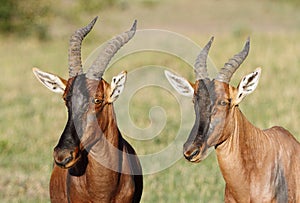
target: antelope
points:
(257, 165)
(92, 161)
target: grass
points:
(32, 118)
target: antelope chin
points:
(196, 159)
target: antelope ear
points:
(180, 84)
(52, 82)
(117, 85)
(247, 85)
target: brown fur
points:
(102, 174)
(257, 165)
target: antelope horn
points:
(95, 72)
(200, 66)
(232, 65)
(75, 66)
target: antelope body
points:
(257, 165)
(93, 163)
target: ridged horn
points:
(232, 65)
(95, 72)
(75, 66)
(200, 66)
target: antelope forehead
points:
(96, 88)
(206, 91)
(204, 100)
(213, 91)
(79, 93)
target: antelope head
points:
(87, 96)
(214, 102)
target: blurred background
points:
(36, 33)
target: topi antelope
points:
(93, 163)
(257, 165)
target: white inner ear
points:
(248, 84)
(117, 85)
(51, 81)
(180, 84)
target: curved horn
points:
(95, 72)
(75, 66)
(200, 66)
(232, 65)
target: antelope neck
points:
(237, 154)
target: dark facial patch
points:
(77, 99)
(80, 103)
(204, 99)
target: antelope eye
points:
(223, 103)
(97, 101)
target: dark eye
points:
(223, 103)
(97, 101)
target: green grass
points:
(32, 118)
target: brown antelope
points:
(93, 163)
(257, 165)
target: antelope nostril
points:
(195, 153)
(64, 161)
(189, 156)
